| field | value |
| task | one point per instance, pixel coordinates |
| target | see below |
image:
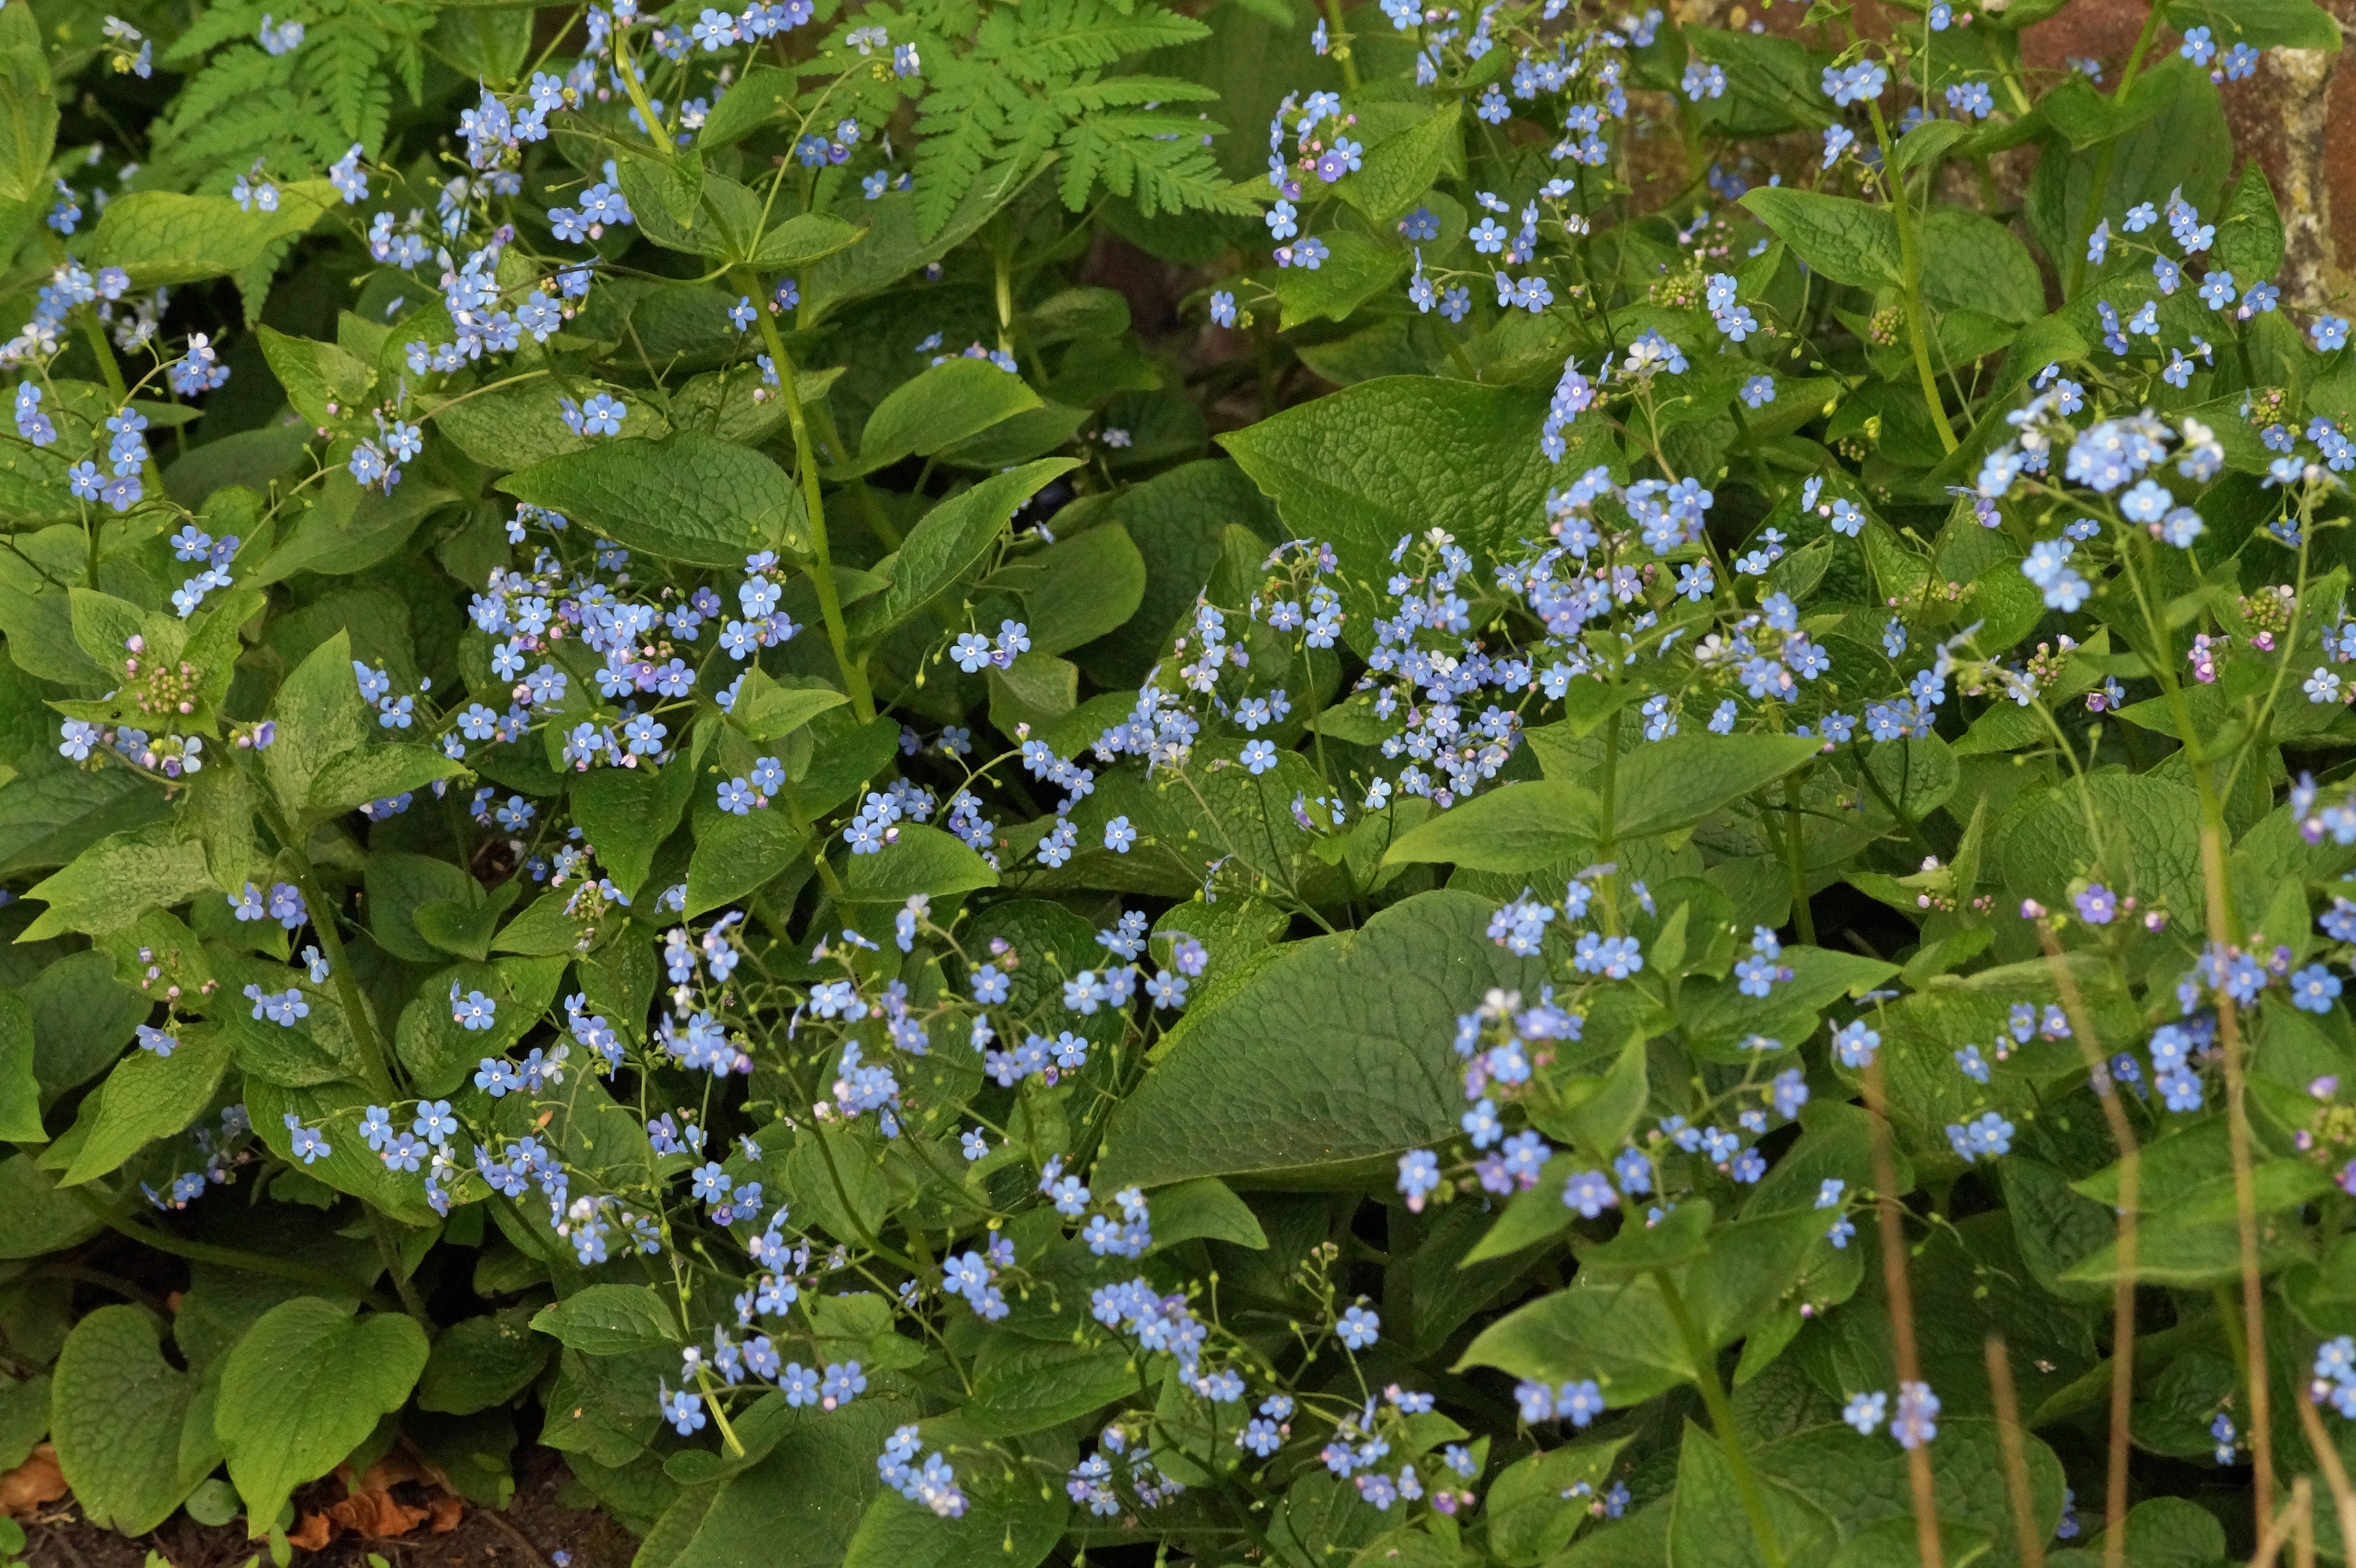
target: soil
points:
(537, 1525)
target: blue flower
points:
(603, 415)
(1359, 1327)
(2313, 988)
(1259, 756)
(1589, 1193)
(475, 1011)
(1418, 1173)
(435, 1122)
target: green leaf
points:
(610, 1320)
(1204, 1209)
(767, 711)
(1776, 83)
(1532, 1505)
(2169, 1532)
(520, 426)
(735, 856)
(20, 1090)
(303, 1388)
(316, 373)
(1338, 1048)
(922, 860)
(937, 408)
(148, 1098)
(1619, 1334)
(2249, 241)
(1846, 240)
(1671, 783)
(1355, 268)
(462, 925)
(628, 812)
(687, 498)
(1341, 468)
(1027, 1385)
(376, 773)
(1512, 828)
(28, 110)
(2150, 843)
(336, 1108)
(1079, 589)
(1983, 266)
(82, 1017)
(439, 1051)
(763, 93)
(163, 237)
(479, 1363)
(320, 717)
(121, 1422)
(1927, 143)
(1598, 1111)
(2261, 24)
(1710, 1527)
(799, 1507)
(893, 247)
(23, 1419)
(34, 1217)
(1400, 167)
(115, 881)
(682, 206)
(950, 542)
(397, 884)
(802, 239)
(1011, 1520)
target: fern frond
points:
(1120, 92)
(341, 66)
(1064, 38)
(950, 154)
(217, 24)
(1136, 155)
(230, 81)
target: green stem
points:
(96, 333)
(1339, 45)
(1909, 256)
(388, 1249)
(225, 1257)
(1795, 859)
(2101, 188)
(375, 1064)
(1721, 1418)
(821, 573)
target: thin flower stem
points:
(1901, 1291)
(2122, 1285)
(2016, 1456)
(2302, 1498)
(2335, 1474)
(2224, 930)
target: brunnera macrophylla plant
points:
(661, 797)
